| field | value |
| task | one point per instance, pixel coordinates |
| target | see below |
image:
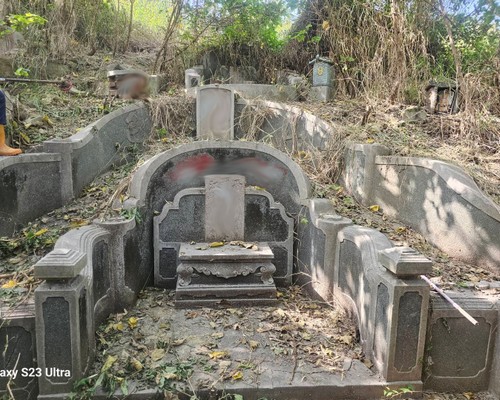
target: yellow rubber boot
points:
(4, 149)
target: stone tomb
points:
(208, 272)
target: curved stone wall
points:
(35, 183)
(437, 199)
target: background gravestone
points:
(215, 113)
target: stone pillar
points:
(402, 304)
(65, 343)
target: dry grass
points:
(173, 116)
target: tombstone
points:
(191, 78)
(224, 207)
(215, 113)
(323, 74)
(233, 271)
(442, 98)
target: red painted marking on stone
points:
(191, 167)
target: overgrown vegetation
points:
(380, 48)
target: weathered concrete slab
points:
(228, 252)
(318, 227)
(214, 113)
(459, 354)
(30, 186)
(261, 348)
(17, 341)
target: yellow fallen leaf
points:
(370, 140)
(157, 354)
(136, 364)
(218, 335)
(237, 375)
(374, 208)
(47, 120)
(118, 326)
(216, 244)
(400, 229)
(109, 362)
(78, 223)
(25, 137)
(41, 232)
(325, 25)
(216, 355)
(10, 284)
(132, 322)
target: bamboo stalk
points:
(447, 298)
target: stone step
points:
(201, 295)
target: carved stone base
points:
(225, 275)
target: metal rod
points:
(447, 298)
(26, 80)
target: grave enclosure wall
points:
(333, 257)
(33, 184)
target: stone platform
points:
(238, 274)
(298, 349)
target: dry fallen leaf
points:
(217, 355)
(132, 322)
(178, 342)
(218, 335)
(10, 284)
(157, 354)
(136, 364)
(253, 344)
(216, 244)
(237, 375)
(109, 362)
(41, 232)
(347, 339)
(374, 208)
